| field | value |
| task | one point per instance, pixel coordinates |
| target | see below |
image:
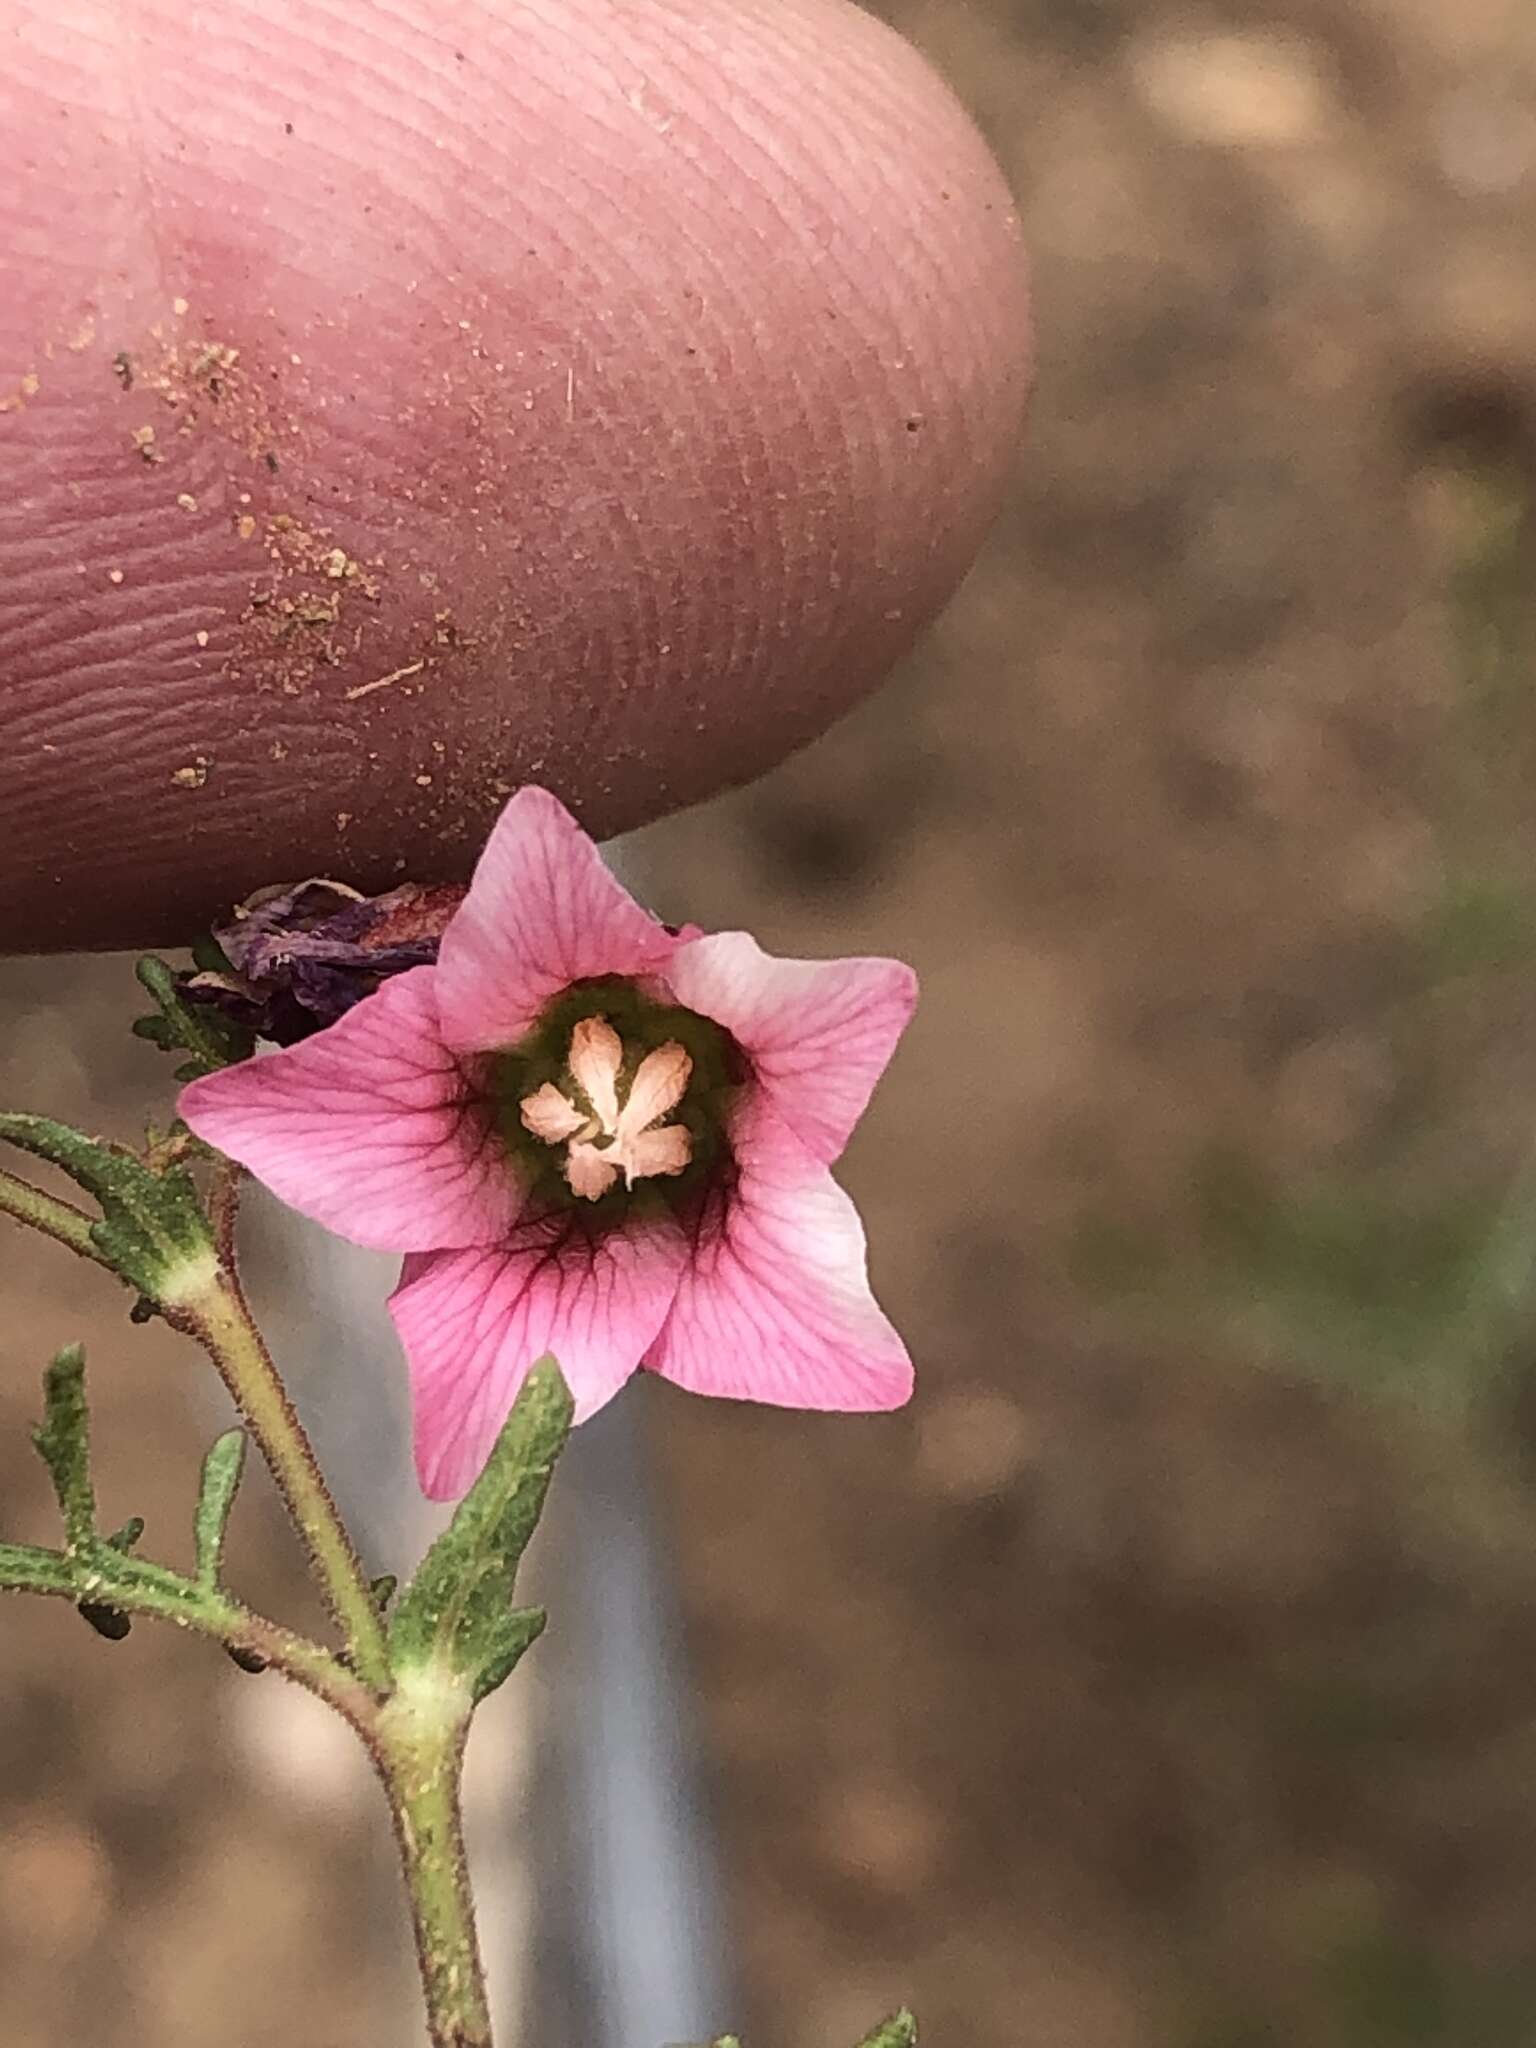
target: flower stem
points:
(418, 1742)
(224, 1209)
(216, 1314)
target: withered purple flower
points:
(301, 956)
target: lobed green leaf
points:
(214, 1041)
(457, 1612)
(152, 1221)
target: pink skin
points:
(380, 1129)
(603, 393)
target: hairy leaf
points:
(63, 1441)
(457, 1612)
(221, 1482)
(152, 1222)
(212, 1039)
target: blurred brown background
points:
(1166, 1678)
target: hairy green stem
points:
(216, 1314)
(56, 1219)
(224, 1209)
(136, 1587)
(418, 1748)
(414, 1722)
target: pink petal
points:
(542, 912)
(775, 1305)
(820, 1033)
(473, 1322)
(369, 1127)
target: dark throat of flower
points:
(617, 1105)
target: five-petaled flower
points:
(591, 1136)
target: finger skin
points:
(399, 402)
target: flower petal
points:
(473, 1323)
(542, 912)
(775, 1305)
(369, 1127)
(819, 1033)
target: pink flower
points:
(594, 1137)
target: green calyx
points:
(644, 1024)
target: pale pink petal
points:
(590, 1173)
(658, 1087)
(542, 912)
(657, 1152)
(370, 1127)
(597, 1053)
(473, 1322)
(549, 1115)
(819, 1033)
(775, 1305)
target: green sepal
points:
(213, 1040)
(900, 2031)
(63, 1442)
(456, 1614)
(151, 1220)
(222, 1468)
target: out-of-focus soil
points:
(1166, 1675)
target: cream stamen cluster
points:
(603, 1138)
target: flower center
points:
(601, 1136)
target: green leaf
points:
(63, 1441)
(221, 1482)
(213, 1040)
(900, 2031)
(506, 1639)
(457, 1612)
(152, 1222)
